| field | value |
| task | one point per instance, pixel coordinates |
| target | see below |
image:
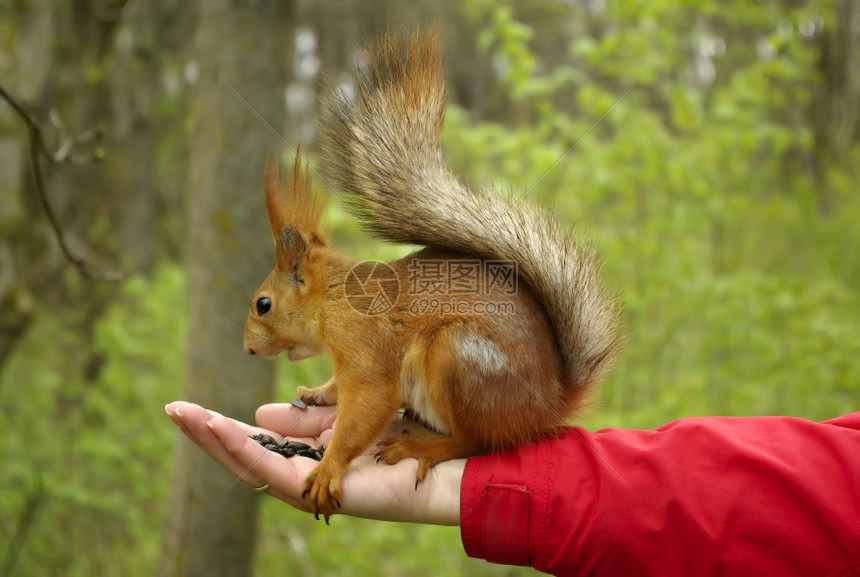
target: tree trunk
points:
(135, 88)
(243, 46)
(30, 51)
(835, 107)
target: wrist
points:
(442, 494)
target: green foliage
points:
(293, 543)
(99, 446)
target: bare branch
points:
(65, 152)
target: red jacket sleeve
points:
(700, 496)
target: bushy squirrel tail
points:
(383, 148)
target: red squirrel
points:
(492, 335)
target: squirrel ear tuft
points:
(292, 200)
(292, 250)
(275, 204)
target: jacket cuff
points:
(494, 513)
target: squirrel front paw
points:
(324, 396)
(322, 489)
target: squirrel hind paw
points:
(429, 449)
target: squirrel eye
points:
(264, 304)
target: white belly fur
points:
(415, 394)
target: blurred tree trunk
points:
(243, 45)
(150, 83)
(135, 87)
(835, 107)
(25, 35)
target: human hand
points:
(370, 490)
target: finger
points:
(325, 437)
(290, 421)
(285, 476)
(193, 421)
(183, 413)
(177, 411)
(190, 418)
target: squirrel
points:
(491, 335)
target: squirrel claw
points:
(298, 403)
(322, 489)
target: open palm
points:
(370, 490)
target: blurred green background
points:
(709, 148)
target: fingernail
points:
(167, 409)
(210, 424)
(178, 412)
